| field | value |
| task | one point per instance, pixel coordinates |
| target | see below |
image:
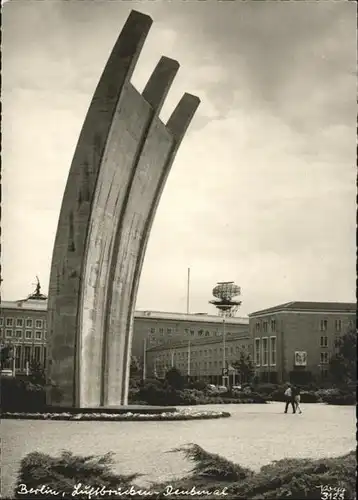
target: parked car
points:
(236, 387)
(221, 388)
(212, 388)
(6, 373)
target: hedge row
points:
(329, 396)
(155, 394)
(288, 478)
(20, 395)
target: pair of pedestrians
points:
(293, 397)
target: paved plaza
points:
(254, 435)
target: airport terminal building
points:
(292, 341)
(23, 324)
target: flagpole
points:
(224, 354)
(188, 292)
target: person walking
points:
(289, 396)
(298, 400)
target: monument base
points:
(120, 414)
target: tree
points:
(37, 372)
(135, 368)
(343, 365)
(244, 367)
(7, 354)
(135, 372)
(175, 379)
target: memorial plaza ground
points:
(253, 436)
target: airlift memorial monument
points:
(119, 169)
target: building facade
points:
(193, 343)
(200, 359)
(295, 341)
(157, 328)
(292, 341)
(23, 324)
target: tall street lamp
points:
(224, 293)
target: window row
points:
(265, 351)
(204, 352)
(188, 331)
(266, 326)
(21, 322)
(338, 323)
(270, 326)
(28, 334)
(205, 364)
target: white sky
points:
(262, 191)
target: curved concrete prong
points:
(182, 115)
(160, 82)
(70, 244)
(117, 72)
(179, 122)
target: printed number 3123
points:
(332, 493)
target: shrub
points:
(151, 382)
(160, 394)
(133, 395)
(188, 397)
(213, 400)
(163, 395)
(322, 393)
(155, 394)
(212, 465)
(175, 379)
(37, 373)
(278, 395)
(266, 388)
(288, 478)
(309, 386)
(200, 385)
(56, 393)
(63, 473)
(134, 383)
(309, 397)
(255, 397)
(299, 478)
(306, 396)
(21, 395)
(194, 392)
(343, 365)
(352, 386)
(340, 399)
